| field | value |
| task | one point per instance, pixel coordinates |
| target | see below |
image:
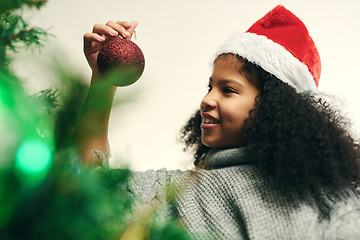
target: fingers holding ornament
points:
(93, 41)
(128, 27)
(106, 31)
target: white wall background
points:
(178, 39)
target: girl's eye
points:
(228, 90)
(209, 88)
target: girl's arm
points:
(92, 129)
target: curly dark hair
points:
(297, 140)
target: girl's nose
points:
(208, 102)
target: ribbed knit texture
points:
(234, 202)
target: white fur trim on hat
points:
(272, 57)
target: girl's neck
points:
(223, 157)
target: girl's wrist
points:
(101, 90)
(98, 81)
(95, 77)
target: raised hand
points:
(101, 34)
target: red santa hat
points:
(279, 43)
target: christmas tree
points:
(45, 193)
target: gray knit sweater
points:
(232, 201)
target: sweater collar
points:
(219, 158)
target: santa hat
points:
(280, 44)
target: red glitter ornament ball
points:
(123, 60)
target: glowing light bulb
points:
(33, 157)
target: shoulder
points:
(246, 202)
(344, 220)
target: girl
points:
(273, 159)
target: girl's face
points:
(227, 104)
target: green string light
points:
(33, 159)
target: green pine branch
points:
(7, 5)
(16, 33)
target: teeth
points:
(209, 120)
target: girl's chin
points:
(210, 144)
(217, 144)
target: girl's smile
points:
(227, 104)
(208, 121)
